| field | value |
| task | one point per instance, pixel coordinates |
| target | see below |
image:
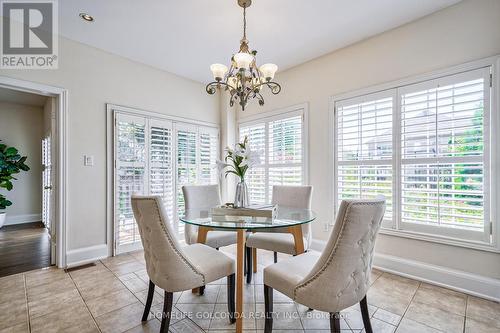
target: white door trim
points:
(61, 156)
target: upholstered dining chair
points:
(205, 197)
(174, 268)
(340, 276)
(280, 240)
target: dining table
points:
(286, 219)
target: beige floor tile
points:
(387, 316)
(88, 272)
(134, 284)
(411, 326)
(185, 326)
(175, 316)
(110, 302)
(19, 328)
(12, 294)
(248, 294)
(375, 274)
(151, 326)
(478, 308)
(392, 293)
(441, 298)
(479, 326)
(117, 260)
(93, 278)
(128, 267)
(157, 297)
(122, 319)
(50, 289)
(101, 288)
(209, 297)
(75, 314)
(52, 303)
(201, 314)
(277, 296)
(286, 317)
(12, 282)
(88, 326)
(435, 317)
(317, 320)
(221, 318)
(380, 326)
(13, 313)
(45, 275)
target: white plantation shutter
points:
(157, 157)
(187, 157)
(280, 139)
(131, 178)
(161, 181)
(426, 147)
(443, 146)
(256, 177)
(364, 151)
(209, 153)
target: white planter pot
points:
(3, 215)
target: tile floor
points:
(109, 297)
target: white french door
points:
(157, 157)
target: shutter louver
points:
(442, 145)
(364, 150)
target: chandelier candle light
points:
(244, 80)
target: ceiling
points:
(186, 36)
(20, 97)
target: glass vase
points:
(241, 199)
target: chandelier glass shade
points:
(243, 79)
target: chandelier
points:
(244, 80)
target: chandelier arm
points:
(273, 86)
(210, 88)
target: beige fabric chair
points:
(340, 276)
(280, 240)
(172, 267)
(205, 197)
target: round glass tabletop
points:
(286, 217)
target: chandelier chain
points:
(245, 23)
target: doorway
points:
(39, 232)
(26, 126)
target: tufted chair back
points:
(341, 276)
(166, 263)
(296, 197)
(199, 197)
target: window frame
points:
(493, 65)
(278, 114)
(149, 117)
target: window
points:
(281, 141)
(426, 148)
(157, 157)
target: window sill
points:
(441, 240)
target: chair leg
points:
(334, 322)
(366, 315)
(167, 312)
(248, 255)
(201, 290)
(268, 306)
(149, 300)
(230, 297)
(275, 257)
(254, 259)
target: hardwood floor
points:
(23, 247)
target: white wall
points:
(94, 78)
(21, 127)
(467, 31)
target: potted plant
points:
(238, 161)
(10, 163)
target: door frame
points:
(61, 154)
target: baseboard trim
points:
(86, 255)
(23, 218)
(469, 283)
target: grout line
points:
(26, 299)
(85, 303)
